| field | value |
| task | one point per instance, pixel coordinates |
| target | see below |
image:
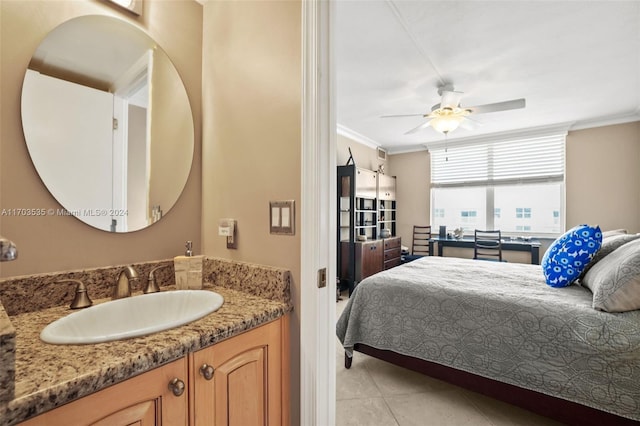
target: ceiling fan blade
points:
(402, 115)
(422, 126)
(469, 124)
(450, 98)
(498, 106)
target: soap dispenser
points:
(188, 269)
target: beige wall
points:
(364, 156)
(603, 177)
(54, 243)
(252, 78)
(413, 175)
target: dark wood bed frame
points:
(559, 409)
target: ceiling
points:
(577, 63)
(94, 50)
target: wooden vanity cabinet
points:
(145, 399)
(243, 380)
(249, 385)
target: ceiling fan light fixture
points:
(446, 123)
(448, 115)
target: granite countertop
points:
(47, 376)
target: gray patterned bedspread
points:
(501, 321)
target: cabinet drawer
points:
(392, 263)
(392, 254)
(390, 243)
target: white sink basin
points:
(132, 316)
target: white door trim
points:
(318, 217)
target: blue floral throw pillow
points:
(567, 257)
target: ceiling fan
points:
(446, 116)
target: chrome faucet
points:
(123, 286)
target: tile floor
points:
(376, 393)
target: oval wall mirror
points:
(108, 123)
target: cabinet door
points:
(145, 400)
(366, 184)
(246, 387)
(386, 187)
(372, 258)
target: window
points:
(515, 185)
(468, 216)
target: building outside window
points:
(468, 216)
(515, 185)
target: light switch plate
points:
(282, 217)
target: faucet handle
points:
(152, 286)
(81, 298)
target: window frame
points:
(489, 184)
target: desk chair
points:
(487, 245)
(420, 243)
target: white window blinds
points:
(501, 162)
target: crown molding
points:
(360, 138)
(529, 132)
(407, 149)
(607, 121)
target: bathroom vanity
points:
(201, 373)
(238, 381)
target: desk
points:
(515, 245)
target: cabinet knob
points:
(207, 371)
(176, 386)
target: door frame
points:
(318, 202)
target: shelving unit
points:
(387, 217)
(366, 201)
(386, 204)
(387, 220)
(357, 217)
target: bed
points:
(498, 329)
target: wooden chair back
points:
(421, 237)
(487, 245)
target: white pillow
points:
(609, 244)
(615, 279)
(613, 232)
